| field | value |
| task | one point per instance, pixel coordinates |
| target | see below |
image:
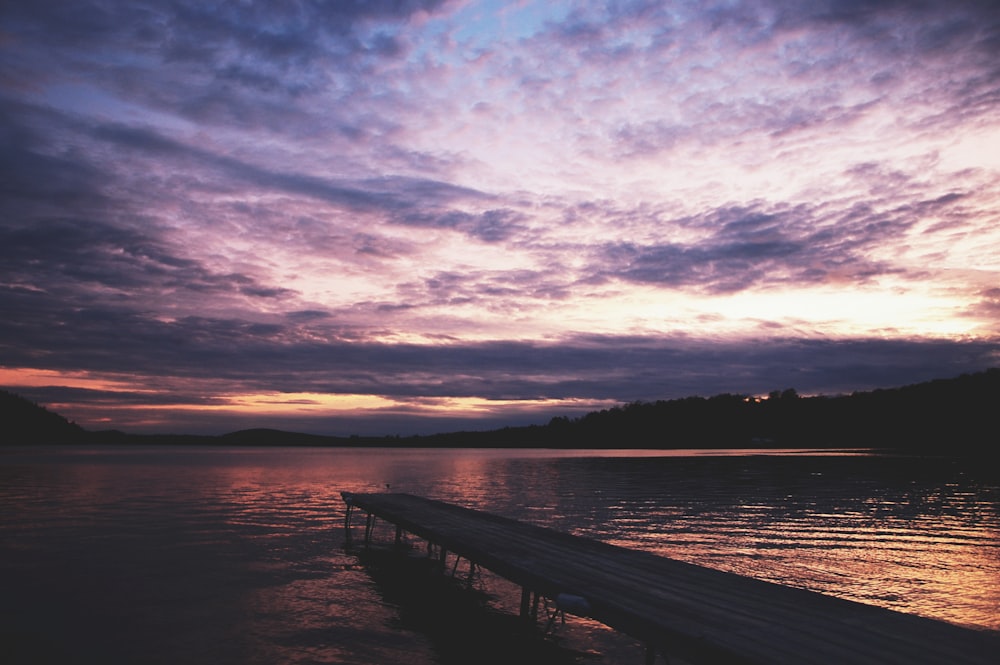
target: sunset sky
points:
(409, 217)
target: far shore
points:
(946, 415)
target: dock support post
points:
(369, 527)
(399, 536)
(472, 574)
(525, 602)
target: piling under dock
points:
(698, 614)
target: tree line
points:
(956, 414)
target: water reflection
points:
(224, 555)
(914, 535)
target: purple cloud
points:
(432, 201)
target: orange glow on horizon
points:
(36, 378)
(104, 411)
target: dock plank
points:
(700, 614)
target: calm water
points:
(214, 555)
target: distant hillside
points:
(272, 437)
(23, 421)
(944, 415)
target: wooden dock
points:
(675, 608)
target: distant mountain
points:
(945, 414)
(956, 414)
(274, 437)
(942, 415)
(23, 422)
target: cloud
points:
(492, 226)
(228, 358)
(966, 32)
(745, 247)
(430, 200)
(251, 65)
(987, 306)
(219, 35)
(382, 194)
(723, 73)
(299, 356)
(91, 262)
(308, 315)
(501, 290)
(34, 173)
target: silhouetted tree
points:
(22, 421)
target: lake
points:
(223, 555)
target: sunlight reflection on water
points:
(224, 555)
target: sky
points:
(415, 216)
